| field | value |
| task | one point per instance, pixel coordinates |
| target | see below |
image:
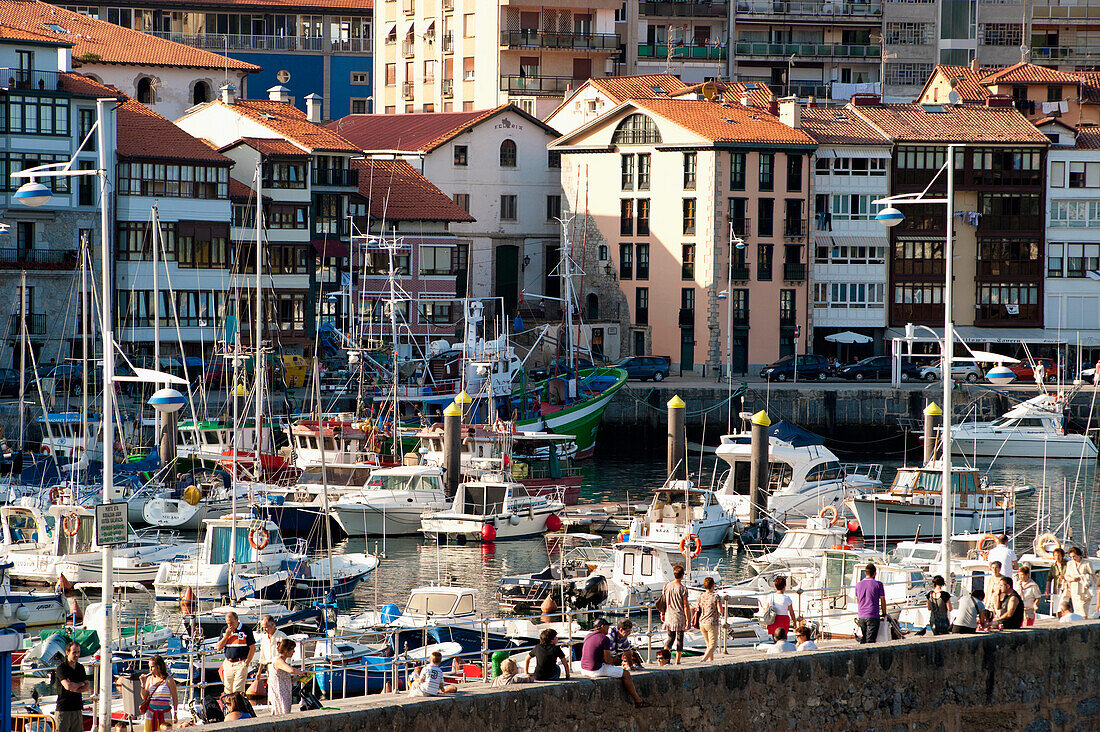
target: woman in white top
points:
(781, 605)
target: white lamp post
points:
(738, 243)
(33, 193)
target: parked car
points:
(67, 377)
(9, 382)
(557, 367)
(810, 366)
(960, 370)
(1024, 371)
(877, 368)
(645, 367)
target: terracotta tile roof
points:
(8, 33)
(397, 192)
(1090, 86)
(621, 88)
(242, 192)
(946, 123)
(100, 42)
(290, 122)
(1088, 137)
(281, 4)
(79, 84)
(967, 82)
(416, 132)
(725, 122)
(142, 133)
(760, 96)
(1025, 73)
(839, 126)
(271, 146)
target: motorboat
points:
(352, 448)
(929, 555)
(1035, 428)
(679, 510)
(571, 576)
(639, 571)
(802, 546)
(804, 477)
(392, 501)
(178, 507)
(64, 438)
(911, 509)
(29, 608)
(492, 510)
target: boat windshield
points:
(484, 499)
(434, 603)
(389, 482)
(221, 542)
(799, 540)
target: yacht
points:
(172, 507)
(392, 501)
(911, 509)
(679, 510)
(803, 546)
(492, 510)
(804, 479)
(1035, 428)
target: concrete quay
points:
(1041, 679)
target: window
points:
(909, 34)
(903, 74)
(737, 171)
(435, 260)
(435, 313)
(764, 208)
(178, 181)
(641, 306)
(852, 208)
(687, 262)
(643, 217)
(637, 129)
(643, 171)
(31, 115)
(468, 26)
(1084, 175)
(24, 236)
(853, 295)
(690, 163)
(787, 314)
(508, 208)
(200, 93)
(508, 154)
(202, 245)
(627, 172)
(642, 268)
(284, 175)
(689, 215)
(391, 74)
(145, 93)
(86, 120)
(1057, 174)
(360, 105)
(360, 77)
(429, 71)
(553, 207)
(462, 200)
(626, 217)
(553, 160)
(850, 254)
(281, 216)
(1054, 93)
(764, 262)
(601, 252)
(767, 171)
(1054, 260)
(1000, 34)
(462, 153)
(794, 173)
(626, 261)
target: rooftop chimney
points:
(228, 94)
(773, 106)
(865, 100)
(790, 112)
(974, 65)
(279, 94)
(64, 60)
(313, 108)
(746, 100)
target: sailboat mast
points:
(393, 331)
(261, 366)
(84, 261)
(22, 350)
(156, 312)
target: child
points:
(428, 681)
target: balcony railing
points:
(406, 90)
(913, 312)
(519, 84)
(990, 314)
(918, 268)
(794, 229)
(802, 91)
(1065, 53)
(448, 5)
(449, 42)
(341, 177)
(30, 80)
(36, 324)
(687, 317)
(352, 45)
(812, 9)
(408, 48)
(741, 227)
(684, 9)
(1016, 268)
(448, 87)
(37, 258)
(794, 272)
(250, 42)
(807, 50)
(683, 53)
(567, 41)
(1010, 222)
(409, 6)
(1055, 10)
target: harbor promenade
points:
(1038, 679)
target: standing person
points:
(968, 618)
(802, 635)
(546, 656)
(1056, 574)
(782, 605)
(871, 605)
(939, 607)
(1077, 580)
(159, 690)
(267, 649)
(993, 595)
(622, 653)
(240, 646)
(428, 680)
(1011, 616)
(1030, 592)
(710, 610)
(72, 682)
(596, 661)
(675, 616)
(281, 675)
(1003, 554)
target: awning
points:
(331, 248)
(828, 240)
(974, 334)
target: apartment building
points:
(309, 47)
(681, 207)
(463, 55)
(688, 39)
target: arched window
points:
(637, 129)
(507, 154)
(145, 90)
(593, 306)
(201, 93)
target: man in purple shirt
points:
(871, 601)
(596, 661)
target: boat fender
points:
(23, 613)
(74, 610)
(192, 495)
(831, 514)
(513, 520)
(6, 610)
(690, 546)
(553, 522)
(187, 602)
(488, 531)
(258, 538)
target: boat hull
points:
(362, 520)
(471, 528)
(581, 420)
(1062, 447)
(895, 520)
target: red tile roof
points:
(239, 191)
(99, 42)
(281, 4)
(725, 122)
(1025, 73)
(79, 84)
(621, 88)
(1088, 137)
(397, 192)
(947, 123)
(8, 33)
(1090, 86)
(272, 147)
(839, 126)
(967, 82)
(142, 133)
(290, 122)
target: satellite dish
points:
(953, 97)
(283, 76)
(709, 91)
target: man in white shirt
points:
(266, 654)
(1066, 614)
(802, 635)
(1001, 553)
(781, 645)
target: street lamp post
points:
(737, 242)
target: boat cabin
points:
(841, 569)
(485, 498)
(343, 437)
(930, 480)
(794, 456)
(211, 437)
(222, 545)
(63, 433)
(440, 601)
(23, 528)
(406, 478)
(680, 503)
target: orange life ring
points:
(690, 546)
(832, 514)
(984, 553)
(44, 449)
(55, 493)
(70, 524)
(258, 538)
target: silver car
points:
(960, 371)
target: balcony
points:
(564, 41)
(794, 272)
(781, 51)
(739, 273)
(336, 177)
(802, 91)
(1026, 269)
(37, 259)
(352, 45)
(740, 227)
(685, 9)
(449, 42)
(250, 42)
(914, 312)
(30, 80)
(408, 48)
(448, 88)
(1057, 11)
(407, 90)
(521, 84)
(682, 52)
(1010, 223)
(1066, 53)
(997, 314)
(811, 10)
(918, 268)
(36, 325)
(794, 229)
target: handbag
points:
(696, 613)
(659, 604)
(768, 617)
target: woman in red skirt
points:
(782, 605)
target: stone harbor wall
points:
(1041, 679)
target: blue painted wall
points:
(307, 75)
(341, 68)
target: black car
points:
(644, 367)
(877, 368)
(810, 367)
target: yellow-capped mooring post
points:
(452, 447)
(677, 448)
(931, 412)
(758, 465)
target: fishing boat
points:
(492, 510)
(348, 668)
(1035, 428)
(392, 501)
(64, 439)
(352, 448)
(680, 510)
